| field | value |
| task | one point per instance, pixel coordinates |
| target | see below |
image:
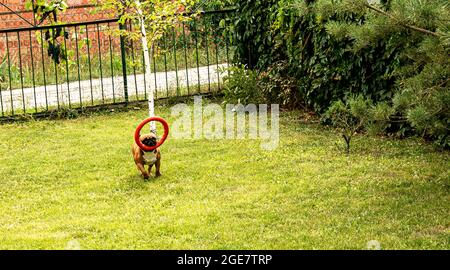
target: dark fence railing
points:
(87, 66)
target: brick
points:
(9, 20)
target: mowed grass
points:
(73, 183)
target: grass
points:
(74, 181)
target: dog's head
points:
(149, 140)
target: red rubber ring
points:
(137, 134)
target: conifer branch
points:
(412, 27)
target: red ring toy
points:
(137, 134)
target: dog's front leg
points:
(158, 168)
(141, 168)
(150, 167)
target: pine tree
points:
(420, 29)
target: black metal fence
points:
(86, 66)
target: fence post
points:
(124, 62)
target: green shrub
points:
(278, 87)
(394, 53)
(241, 86)
(324, 68)
(350, 117)
(380, 118)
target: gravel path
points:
(112, 89)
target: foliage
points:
(278, 87)
(216, 20)
(49, 10)
(420, 30)
(349, 117)
(324, 67)
(392, 52)
(158, 16)
(211, 5)
(241, 86)
(46, 9)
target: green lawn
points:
(74, 181)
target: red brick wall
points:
(78, 12)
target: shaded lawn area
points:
(75, 180)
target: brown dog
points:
(142, 158)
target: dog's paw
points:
(158, 175)
(146, 176)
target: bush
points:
(241, 86)
(421, 34)
(280, 88)
(394, 53)
(350, 117)
(322, 67)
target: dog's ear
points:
(144, 137)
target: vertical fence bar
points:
(154, 72)
(34, 12)
(1, 96)
(145, 75)
(89, 63)
(100, 63)
(78, 67)
(112, 67)
(124, 63)
(228, 55)
(21, 73)
(165, 63)
(134, 67)
(56, 82)
(67, 69)
(43, 70)
(9, 74)
(175, 58)
(185, 57)
(217, 62)
(207, 57)
(134, 71)
(197, 56)
(1, 99)
(32, 72)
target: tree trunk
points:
(148, 67)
